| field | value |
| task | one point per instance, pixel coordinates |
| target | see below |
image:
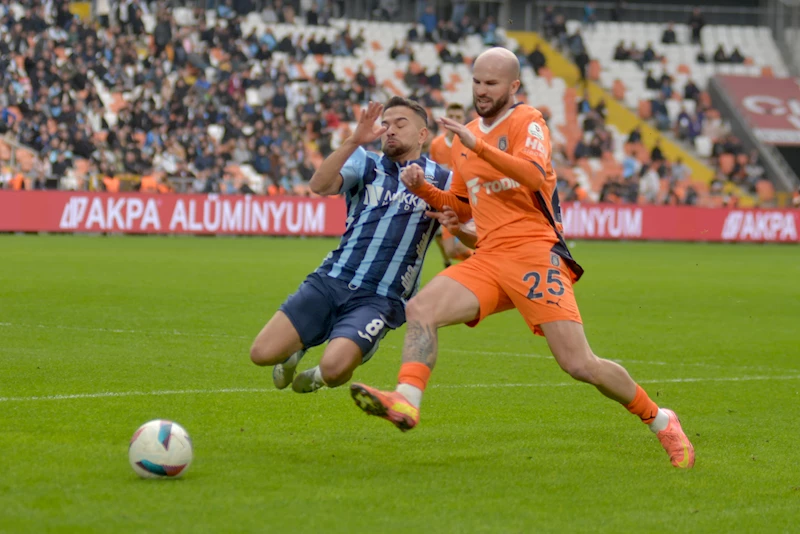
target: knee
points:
(261, 353)
(257, 355)
(419, 309)
(335, 372)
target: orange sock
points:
(414, 374)
(643, 406)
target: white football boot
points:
(283, 373)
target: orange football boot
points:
(675, 442)
(389, 405)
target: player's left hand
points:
(468, 138)
(447, 218)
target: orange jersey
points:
(440, 151)
(509, 182)
(505, 211)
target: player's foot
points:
(283, 373)
(675, 442)
(308, 381)
(391, 406)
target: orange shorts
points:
(531, 278)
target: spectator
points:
(635, 136)
(651, 82)
(669, 37)
(590, 14)
(621, 53)
(680, 171)
(656, 155)
(429, 22)
(537, 59)
(719, 55)
(549, 23)
(691, 91)
(736, 56)
(796, 198)
(696, 23)
(649, 184)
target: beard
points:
(497, 105)
(398, 149)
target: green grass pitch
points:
(100, 334)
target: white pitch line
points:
(122, 330)
(107, 394)
(394, 347)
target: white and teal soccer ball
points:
(160, 449)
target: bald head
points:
(500, 61)
(495, 81)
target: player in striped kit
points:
(360, 290)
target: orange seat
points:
(726, 163)
(683, 68)
(148, 184)
(111, 183)
(765, 191)
(645, 109)
(593, 72)
(618, 89)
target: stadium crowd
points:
(188, 120)
(734, 166)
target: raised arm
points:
(328, 180)
(529, 155)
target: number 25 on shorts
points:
(553, 284)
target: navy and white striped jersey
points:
(387, 232)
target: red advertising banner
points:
(679, 223)
(61, 211)
(770, 105)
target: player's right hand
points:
(366, 130)
(447, 218)
(412, 177)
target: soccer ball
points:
(160, 449)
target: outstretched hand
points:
(366, 130)
(447, 218)
(468, 138)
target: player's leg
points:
(303, 321)
(455, 249)
(540, 285)
(464, 293)
(567, 342)
(340, 359)
(357, 331)
(276, 342)
(440, 243)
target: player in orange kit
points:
(503, 178)
(450, 246)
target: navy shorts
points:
(324, 308)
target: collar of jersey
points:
(486, 129)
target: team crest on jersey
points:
(502, 143)
(535, 130)
(555, 260)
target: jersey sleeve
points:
(527, 157)
(353, 170)
(532, 142)
(453, 195)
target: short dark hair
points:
(455, 105)
(413, 105)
